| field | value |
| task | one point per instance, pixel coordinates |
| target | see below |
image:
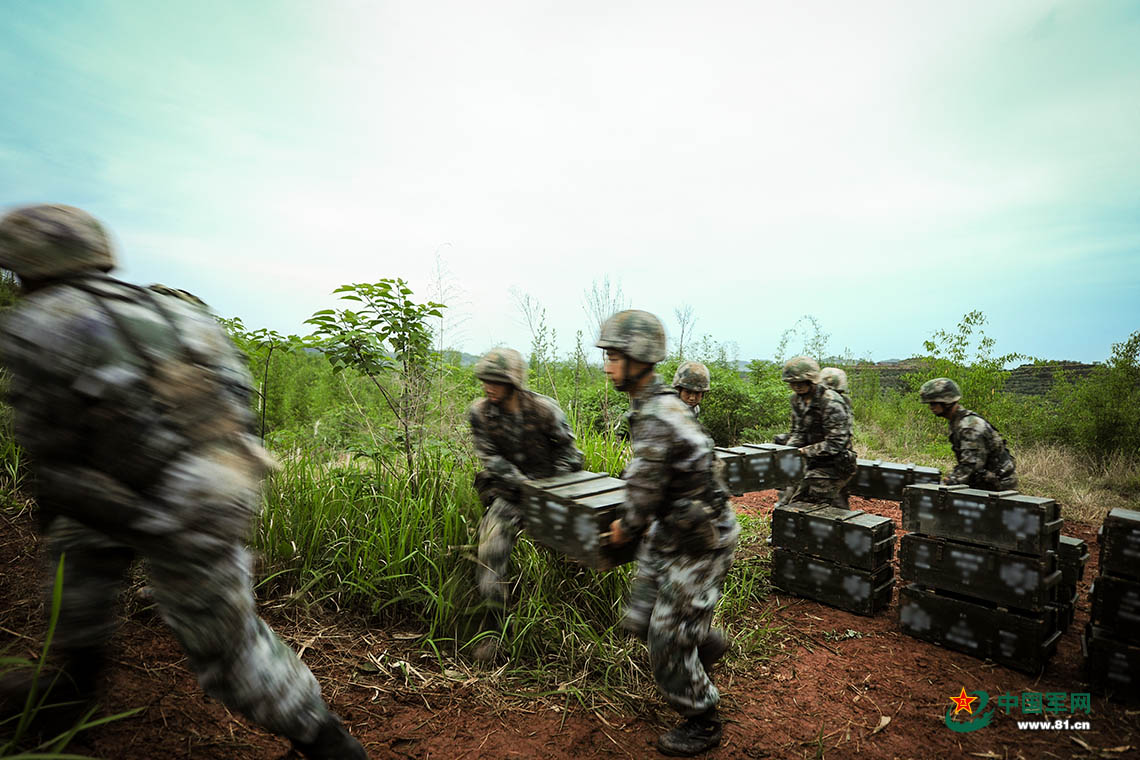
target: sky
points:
(885, 167)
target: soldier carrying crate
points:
(688, 531)
(984, 461)
(821, 430)
(519, 435)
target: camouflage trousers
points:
(671, 606)
(191, 534)
(987, 481)
(821, 485)
(498, 532)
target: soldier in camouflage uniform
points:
(836, 379)
(133, 410)
(984, 460)
(821, 430)
(677, 507)
(519, 435)
(692, 382)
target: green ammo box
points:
(1119, 540)
(1110, 662)
(1066, 609)
(1020, 642)
(863, 592)
(1116, 606)
(1000, 519)
(1072, 556)
(570, 513)
(758, 467)
(991, 575)
(875, 479)
(850, 538)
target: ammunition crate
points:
(1110, 662)
(570, 513)
(1119, 539)
(758, 467)
(1066, 610)
(1116, 606)
(860, 591)
(1001, 519)
(1072, 556)
(1019, 642)
(850, 538)
(875, 479)
(1003, 578)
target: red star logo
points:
(963, 702)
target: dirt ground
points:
(839, 686)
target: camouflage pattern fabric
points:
(51, 241)
(940, 390)
(692, 376)
(635, 333)
(534, 442)
(502, 365)
(821, 428)
(984, 460)
(689, 533)
(133, 411)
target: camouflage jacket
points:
(119, 379)
(980, 449)
(822, 425)
(534, 442)
(671, 483)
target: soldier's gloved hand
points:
(780, 439)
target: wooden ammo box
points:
(849, 538)
(1116, 606)
(733, 463)
(571, 512)
(1001, 519)
(863, 592)
(875, 479)
(1066, 609)
(758, 467)
(1004, 578)
(1119, 539)
(1072, 556)
(1020, 642)
(1110, 662)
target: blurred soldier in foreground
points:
(133, 410)
(519, 435)
(687, 528)
(821, 430)
(692, 382)
(984, 460)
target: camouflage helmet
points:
(637, 334)
(834, 378)
(940, 390)
(692, 376)
(800, 368)
(502, 365)
(48, 241)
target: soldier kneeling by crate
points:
(984, 461)
(519, 435)
(688, 531)
(821, 430)
(692, 382)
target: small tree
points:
(388, 332)
(258, 346)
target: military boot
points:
(696, 735)
(489, 647)
(333, 742)
(62, 696)
(712, 648)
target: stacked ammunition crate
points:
(876, 479)
(571, 514)
(1111, 641)
(983, 573)
(1072, 556)
(835, 556)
